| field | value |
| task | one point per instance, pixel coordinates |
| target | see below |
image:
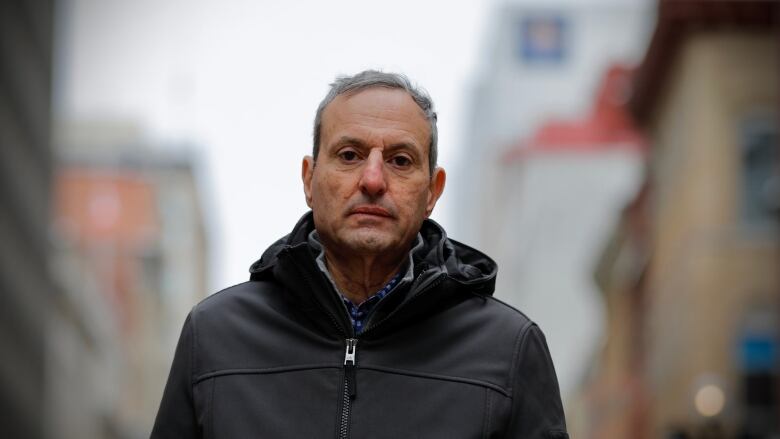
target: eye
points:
(401, 161)
(348, 155)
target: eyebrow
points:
(348, 140)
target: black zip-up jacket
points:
(276, 357)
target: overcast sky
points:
(242, 79)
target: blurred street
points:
(619, 159)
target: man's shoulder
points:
(500, 307)
(245, 324)
(504, 318)
(240, 298)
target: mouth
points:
(371, 210)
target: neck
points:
(359, 278)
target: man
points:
(365, 321)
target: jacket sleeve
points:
(537, 412)
(176, 417)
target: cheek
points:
(335, 189)
(319, 195)
(328, 195)
(415, 203)
(334, 186)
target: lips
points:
(371, 210)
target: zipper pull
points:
(350, 362)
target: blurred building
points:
(54, 338)
(129, 220)
(560, 191)
(29, 295)
(690, 277)
(540, 213)
(541, 60)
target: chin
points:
(370, 242)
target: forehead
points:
(376, 111)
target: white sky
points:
(242, 80)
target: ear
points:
(435, 189)
(307, 171)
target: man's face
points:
(370, 188)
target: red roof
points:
(609, 126)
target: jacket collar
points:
(458, 261)
(444, 269)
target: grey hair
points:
(371, 79)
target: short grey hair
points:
(371, 79)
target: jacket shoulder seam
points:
(193, 347)
(437, 376)
(518, 346)
(265, 370)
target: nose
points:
(372, 177)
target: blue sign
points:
(543, 38)
(758, 352)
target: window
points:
(760, 171)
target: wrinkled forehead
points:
(375, 108)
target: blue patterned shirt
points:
(358, 314)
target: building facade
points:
(29, 293)
(561, 189)
(129, 218)
(691, 278)
(540, 61)
(539, 214)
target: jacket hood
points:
(439, 255)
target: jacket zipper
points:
(350, 389)
(350, 386)
(350, 363)
(350, 357)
